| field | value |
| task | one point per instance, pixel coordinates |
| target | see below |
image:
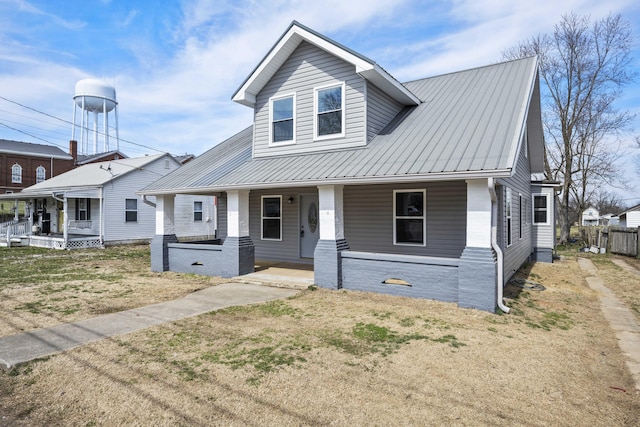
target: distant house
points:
(630, 218)
(96, 205)
(591, 216)
(609, 219)
(83, 159)
(23, 164)
(373, 182)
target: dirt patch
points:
(338, 357)
(41, 288)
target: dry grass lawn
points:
(320, 358)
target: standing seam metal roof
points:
(469, 122)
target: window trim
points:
(126, 210)
(423, 217)
(16, 174)
(86, 210)
(546, 209)
(508, 213)
(198, 211)
(520, 216)
(43, 171)
(293, 101)
(316, 89)
(262, 217)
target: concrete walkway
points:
(21, 348)
(621, 319)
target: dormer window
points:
(282, 119)
(329, 106)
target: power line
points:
(72, 124)
(32, 136)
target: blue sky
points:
(175, 64)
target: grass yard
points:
(320, 358)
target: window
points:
(16, 174)
(409, 222)
(197, 211)
(271, 218)
(508, 212)
(520, 215)
(329, 104)
(83, 209)
(282, 120)
(41, 174)
(540, 209)
(131, 210)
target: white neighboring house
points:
(96, 205)
(630, 218)
(590, 216)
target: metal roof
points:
(469, 125)
(35, 150)
(92, 174)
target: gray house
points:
(421, 189)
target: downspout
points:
(495, 246)
(147, 201)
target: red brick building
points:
(23, 164)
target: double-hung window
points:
(329, 111)
(540, 209)
(409, 221)
(83, 209)
(271, 217)
(41, 174)
(283, 125)
(197, 211)
(16, 174)
(131, 210)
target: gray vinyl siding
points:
(381, 109)
(185, 225)
(288, 249)
(520, 184)
(114, 194)
(222, 216)
(309, 67)
(368, 219)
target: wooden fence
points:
(617, 240)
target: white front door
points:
(309, 225)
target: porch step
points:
(275, 281)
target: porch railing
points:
(11, 229)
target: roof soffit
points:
(291, 39)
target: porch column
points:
(238, 249)
(165, 233)
(477, 273)
(65, 214)
(16, 214)
(327, 265)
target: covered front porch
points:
(466, 274)
(59, 220)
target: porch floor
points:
(289, 274)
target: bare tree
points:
(584, 66)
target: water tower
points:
(96, 99)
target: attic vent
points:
(394, 281)
(166, 163)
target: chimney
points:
(73, 151)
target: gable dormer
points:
(312, 94)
